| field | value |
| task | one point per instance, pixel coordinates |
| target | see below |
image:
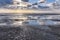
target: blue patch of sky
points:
(50, 0)
(33, 1)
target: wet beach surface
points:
(29, 33)
(26, 32)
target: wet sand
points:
(28, 33)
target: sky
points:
(33, 1)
